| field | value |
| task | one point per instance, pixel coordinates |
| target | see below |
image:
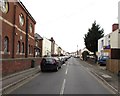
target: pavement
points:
(110, 79)
(16, 78)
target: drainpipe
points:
(26, 40)
(14, 33)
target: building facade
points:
(109, 45)
(18, 28)
(56, 49)
(38, 45)
(46, 47)
(52, 45)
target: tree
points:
(91, 38)
(84, 55)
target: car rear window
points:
(49, 60)
(105, 57)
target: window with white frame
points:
(108, 42)
(36, 43)
(18, 47)
(30, 28)
(21, 19)
(22, 47)
(4, 6)
(29, 49)
(6, 44)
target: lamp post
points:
(77, 49)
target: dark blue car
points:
(50, 63)
(102, 60)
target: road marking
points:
(68, 63)
(106, 76)
(63, 87)
(66, 71)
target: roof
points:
(38, 36)
(22, 5)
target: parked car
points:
(102, 60)
(50, 63)
(62, 59)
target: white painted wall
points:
(46, 48)
(104, 41)
(56, 49)
(119, 24)
(114, 39)
(118, 39)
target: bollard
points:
(32, 63)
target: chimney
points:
(115, 27)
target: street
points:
(72, 78)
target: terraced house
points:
(109, 46)
(17, 33)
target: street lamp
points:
(77, 49)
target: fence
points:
(113, 65)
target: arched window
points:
(29, 49)
(4, 6)
(30, 28)
(21, 19)
(22, 47)
(18, 47)
(6, 44)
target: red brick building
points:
(38, 45)
(17, 30)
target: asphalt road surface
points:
(72, 78)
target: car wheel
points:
(59, 67)
(43, 70)
(56, 68)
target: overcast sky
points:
(68, 20)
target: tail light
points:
(55, 62)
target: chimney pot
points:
(115, 27)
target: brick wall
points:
(16, 65)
